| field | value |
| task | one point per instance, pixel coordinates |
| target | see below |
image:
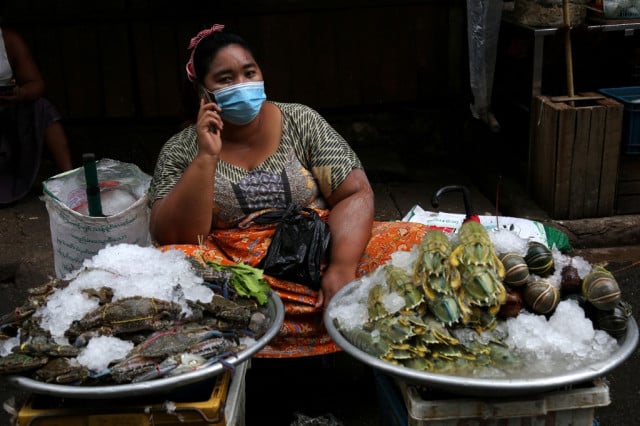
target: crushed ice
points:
(129, 270)
(102, 351)
(7, 344)
(551, 346)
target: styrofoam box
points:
(560, 407)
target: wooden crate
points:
(574, 154)
(628, 189)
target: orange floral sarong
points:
(303, 332)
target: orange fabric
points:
(303, 332)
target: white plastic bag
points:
(450, 222)
(75, 235)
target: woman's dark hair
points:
(204, 53)
(207, 49)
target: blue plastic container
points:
(630, 98)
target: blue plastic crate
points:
(630, 98)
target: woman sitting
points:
(27, 120)
(244, 156)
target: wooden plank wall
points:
(125, 58)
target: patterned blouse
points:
(310, 163)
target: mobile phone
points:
(204, 93)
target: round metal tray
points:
(481, 386)
(274, 311)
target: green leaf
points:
(246, 280)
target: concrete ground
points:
(277, 391)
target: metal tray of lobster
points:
(274, 311)
(484, 387)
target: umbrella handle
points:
(435, 200)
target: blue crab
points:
(37, 297)
(128, 369)
(215, 346)
(225, 309)
(171, 366)
(18, 363)
(127, 315)
(62, 370)
(170, 342)
(44, 345)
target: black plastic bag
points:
(298, 247)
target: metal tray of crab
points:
(76, 337)
(274, 312)
(444, 315)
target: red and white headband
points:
(191, 73)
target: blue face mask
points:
(241, 102)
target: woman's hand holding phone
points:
(209, 124)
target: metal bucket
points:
(481, 386)
(274, 311)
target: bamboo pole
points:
(567, 47)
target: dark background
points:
(385, 73)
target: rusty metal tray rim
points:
(484, 387)
(275, 311)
